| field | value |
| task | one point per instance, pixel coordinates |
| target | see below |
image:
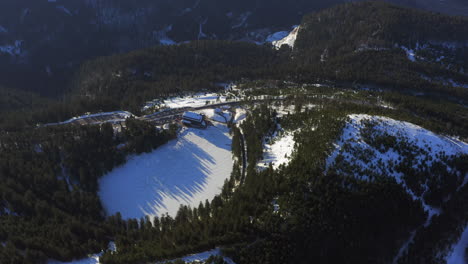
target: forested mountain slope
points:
(365, 81)
(47, 40)
(369, 43)
(379, 43)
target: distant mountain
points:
(371, 43)
(380, 43)
(42, 42)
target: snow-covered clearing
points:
(289, 40)
(187, 171)
(203, 256)
(284, 110)
(278, 150)
(458, 254)
(116, 116)
(196, 100)
(92, 259)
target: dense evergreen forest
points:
(364, 49)
(49, 207)
(365, 45)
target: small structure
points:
(193, 120)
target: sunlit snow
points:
(196, 100)
(187, 171)
(278, 151)
(203, 256)
(289, 40)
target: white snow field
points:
(203, 256)
(116, 116)
(187, 170)
(92, 259)
(458, 255)
(289, 40)
(196, 100)
(278, 151)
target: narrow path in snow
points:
(244, 156)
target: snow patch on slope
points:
(65, 10)
(455, 84)
(162, 37)
(13, 49)
(241, 115)
(116, 116)
(196, 100)
(410, 53)
(277, 36)
(242, 20)
(187, 171)
(203, 256)
(458, 253)
(278, 150)
(289, 40)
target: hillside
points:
(13, 99)
(376, 44)
(373, 42)
(348, 144)
(139, 76)
(48, 40)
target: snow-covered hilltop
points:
(372, 147)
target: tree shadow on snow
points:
(173, 174)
